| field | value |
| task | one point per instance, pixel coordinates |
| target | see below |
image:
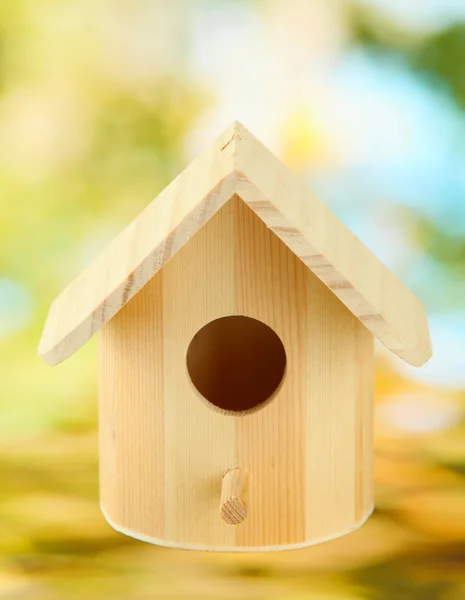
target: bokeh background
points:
(102, 103)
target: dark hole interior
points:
(236, 362)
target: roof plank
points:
(332, 252)
(139, 251)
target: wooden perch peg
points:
(234, 496)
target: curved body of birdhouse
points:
(164, 448)
(236, 322)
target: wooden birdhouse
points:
(236, 319)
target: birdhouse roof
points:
(237, 163)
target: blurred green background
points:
(102, 103)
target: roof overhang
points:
(237, 163)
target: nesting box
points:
(236, 319)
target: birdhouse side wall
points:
(164, 449)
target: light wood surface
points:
(234, 496)
(139, 252)
(164, 450)
(132, 413)
(332, 252)
(238, 164)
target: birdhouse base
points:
(183, 546)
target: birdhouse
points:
(236, 318)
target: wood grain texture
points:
(238, 164)
(270, 284)
(331, 251)
(199, 440)
(339, 448)
(165, 450)
(140, 251)
(131, 412)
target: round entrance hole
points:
(236, 363)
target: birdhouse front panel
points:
(298, 422)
